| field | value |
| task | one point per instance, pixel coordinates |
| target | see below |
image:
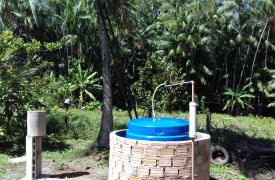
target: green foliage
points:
(94, 105)
(202, 107)
(16, 97)
(166, 98)
(3, 160)
(270, 88)
(49, 90)
(81, 86)
(55, 122)
(215, 43)
(53, 46)
(238, 98)
(84, 82)
(82, 124)
(221, 172)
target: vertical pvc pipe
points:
(192, 131)
(192, 119)
(192, 126)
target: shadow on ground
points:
(54, 144)
(254, 157)
(69, 175)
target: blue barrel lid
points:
(160, 129)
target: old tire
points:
(219, 155)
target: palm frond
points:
(247, 96)
(32, 5)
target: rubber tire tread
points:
(222, 150)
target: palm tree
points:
(106, 126)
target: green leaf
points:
(247, 96)
(181, 37)
(226, 105)
(171, 53)
(260, 86)
(202, 80)
(249, 105)
(229, 91)
(192, 70)
(92, 75)
(271, 104)
(188, 63)
(240, 102)
(266, 93)
(90, 94)
(179, 49)
(271, 84)
(246, 86)
(239, 38)
(207, 71)
(183, 54)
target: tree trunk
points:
(106, 126)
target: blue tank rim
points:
(164, 122)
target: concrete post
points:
(36, 123)
(36, 128)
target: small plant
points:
(83, 83)
(203, 108)
(94, 105)
(239, 99)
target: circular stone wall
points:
(156, 160)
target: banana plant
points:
(239, 99)
(84, 83)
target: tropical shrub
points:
(83, 83)
(155, 72)
(16, 69)
(237, 99)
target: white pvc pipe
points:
(153, 98)
(192, 119)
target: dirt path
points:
(78, 169)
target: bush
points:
(163, 72)
(82, 124)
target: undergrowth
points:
(62, 144)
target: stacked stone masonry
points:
(148, 160)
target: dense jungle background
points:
(50, 50)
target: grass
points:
(63, 147)
(226, 173)
(8, 168)
(3, 162)
(75, 150)
(255, 127)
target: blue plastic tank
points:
(160, 129)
